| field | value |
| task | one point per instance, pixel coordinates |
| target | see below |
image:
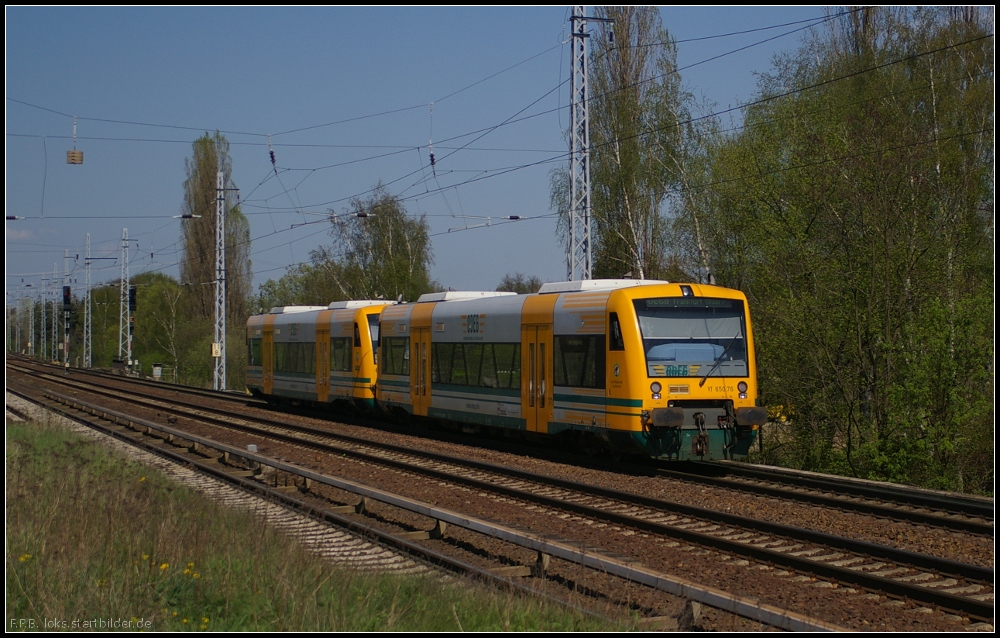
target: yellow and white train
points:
(639, 367)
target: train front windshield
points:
(693, 336)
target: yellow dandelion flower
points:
(142, 479)
(164, 566)
(190, 565)
(184, 620)
(174, 614)
(24, 558)
(196, 575)
(145, 557)
(187, 571)
(204, 620)
(203, 627)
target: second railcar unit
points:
(653, 368)
(318, 354)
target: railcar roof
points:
(592, 285)
(358, 303)
(462, 295)
(284, 310)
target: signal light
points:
(67, 300)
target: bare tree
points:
(636, 104)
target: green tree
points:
(210, 155)
(854, 208)
(161, 327)
(378, 252)
(519, 283)
(303, 285)
(104, 322)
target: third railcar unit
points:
(659, 369)
(318, 354)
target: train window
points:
(396, 355)
(459, 374)
(474, 363)
(541, 372)
(693, 337)
(579, 361)
(340, 354)
(441, 357)
(254, 356)
(488, 376)
(508, 357)
(373, 330)
(531, 375)
(357, 336)
(615, 339)
(299, 358)
(484, 365)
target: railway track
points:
(842, 564)
(949, 510)
(196, 452)
(325, 530)
(959, 512)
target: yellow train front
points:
(315, 354)
(651, 368)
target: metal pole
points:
(66, 311)
(580, 264)
(43, 343)
(55, 317)
(124, 315)
(87, 338)
(219, 346)
(31, 329)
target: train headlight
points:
(742, 387)
(655, 388)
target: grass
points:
(98, 542)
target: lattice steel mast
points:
(219, 349)
(87, 353)
(580, 263)
(124, 314)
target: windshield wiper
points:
(718, 361)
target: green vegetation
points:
(855, 209)
(854, 206)
(95, 539)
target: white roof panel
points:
(462, 295)
(358, 303)
(284, 310)
(582, 285)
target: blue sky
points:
(346, 97)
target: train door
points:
(420, 370)
(536, 377)
(323, 360)
(267, 356)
